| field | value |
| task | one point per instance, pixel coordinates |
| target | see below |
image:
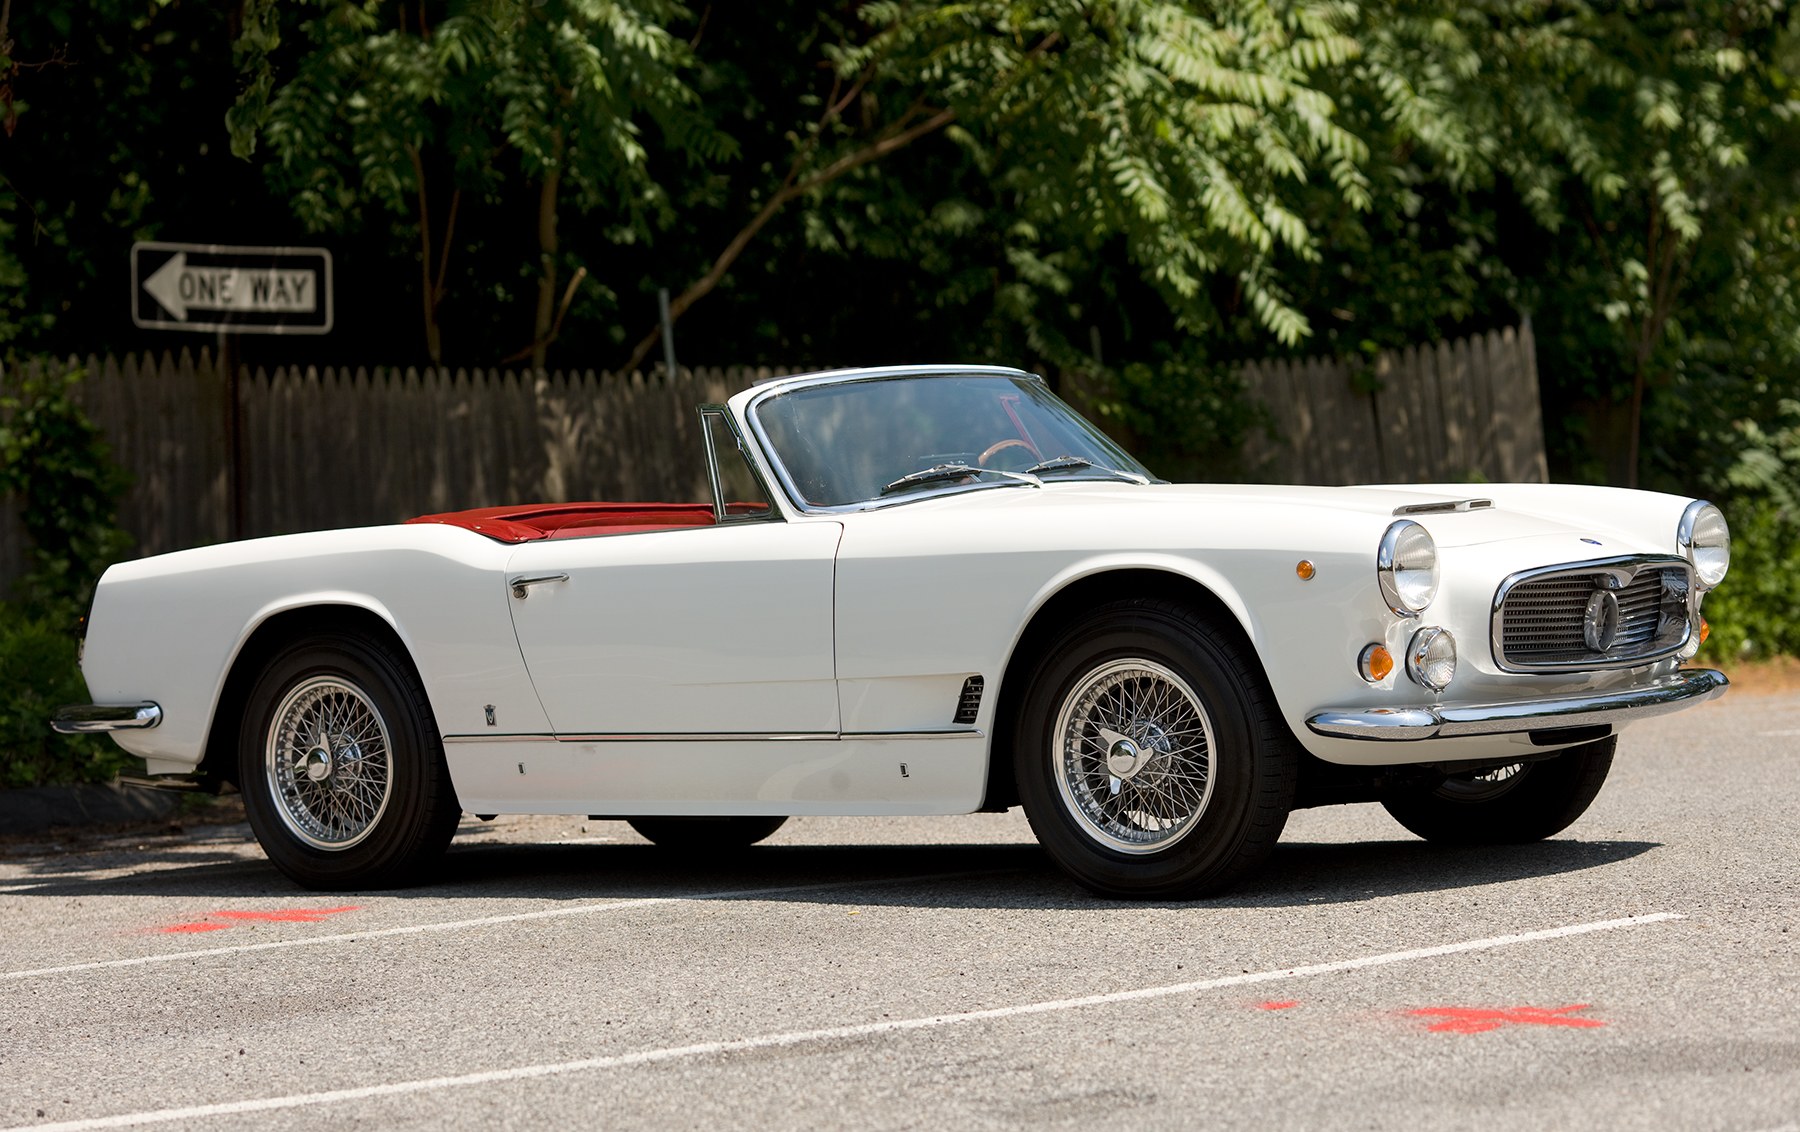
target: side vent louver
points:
(969, 705)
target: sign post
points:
(231, 290)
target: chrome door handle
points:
(521, 587)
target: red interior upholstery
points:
(574, 520)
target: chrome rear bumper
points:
(81, 719)
(1445, 721)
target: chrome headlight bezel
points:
(1407, 548)
(1431, 658)
(1704, 539)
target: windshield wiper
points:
(1077, 463)
(954, 472)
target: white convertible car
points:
(918, 590)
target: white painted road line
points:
(809, 1037)
(484, 921)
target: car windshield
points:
(856, 442)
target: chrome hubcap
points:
(1133, 755)
(328, 763)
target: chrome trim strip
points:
(944, 733)
(86, 719)
(1438, 721)
(1444, 508)
(1623, 568)
(720, 515)
(722, 736)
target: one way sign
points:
(236, 290)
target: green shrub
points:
(53, 461)
(1756, 611)
(38, 675)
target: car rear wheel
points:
(341, 766)
(1150, 758)
(1525, 801)
(698, 835)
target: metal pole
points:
(668, 329)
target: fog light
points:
(1431, 658)
(1375, 664)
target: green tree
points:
(1179, 133)
(388, 108)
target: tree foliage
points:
(385, 108)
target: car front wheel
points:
(1150, 758)
(341, 766)
(1526, 801)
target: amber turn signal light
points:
(1705, 630)
(1304, 570)
(1375, 663)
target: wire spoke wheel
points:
(1484, 785)
(328, 760)
(1505, 805)
(1134, 755)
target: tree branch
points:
(895, 135)
(444, 250)
(855, 160)
(556, 329)
(427, 290)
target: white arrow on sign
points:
(180, 288)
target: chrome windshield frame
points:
(776, 387)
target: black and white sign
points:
(232, 289)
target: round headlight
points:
(1431, 658)
(1406, 564)
(1705, 540)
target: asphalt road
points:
(1640, 971)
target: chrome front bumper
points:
(82, 719)
(1445, 721)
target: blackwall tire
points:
(1150, 757)
(1525, 802)
(705, 835)
(341, 766)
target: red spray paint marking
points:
(281, 916)
(288, 915)
(1276, 1005)
(1474, 1020)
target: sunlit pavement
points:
(1640, 971)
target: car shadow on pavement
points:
(1013, 876)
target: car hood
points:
(1617, 520)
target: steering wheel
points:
(998, 447)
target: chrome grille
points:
(1539, 616)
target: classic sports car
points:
(918, 590)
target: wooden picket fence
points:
(343, 447)
(1463, 411)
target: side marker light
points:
(1376, 664)
(1304, 570)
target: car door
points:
(704, 632)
